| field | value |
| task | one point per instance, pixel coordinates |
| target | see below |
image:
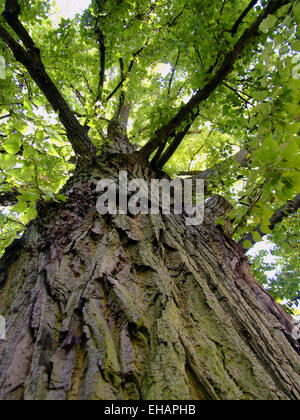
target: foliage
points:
(160, 53)
(284, 285)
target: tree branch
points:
(203, 94)
(17, 222)
(5, 116)
(238, 94)
(243, 15)
(123, 75)
(176, 142)
(287, 210)
(112, 94)
(173, 73)
(102, 51)
(194, 132)
(158, 154)
(117, 127)
(31, 60)
(209, 174)
(200, 148)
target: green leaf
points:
(264, 227)
(296, 45)
(284, 10)
(61, 197)
(29, 108)
(52, 151)
(13, 144)
(296, 11)
(40, 136)
(20, 125)
(31, 214)
(8, 161)
(268, 23)
(31, 196)
(290, 151)
(247, 245)
(256, 236)
(21, 207)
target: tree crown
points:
(201, 88)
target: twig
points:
(173, 73)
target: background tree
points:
(130, 307)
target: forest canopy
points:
(213, 92)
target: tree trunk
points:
(136, 307)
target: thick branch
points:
(30, 58)
(117, 127)
(209, 175)
(102, 50)
(194, 132)
(287, 210)
(203, 94)
(171, 149)
(158, 154)
(176, 143)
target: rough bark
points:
(287, 210)
(137, 307)
(117, 129)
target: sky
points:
(68, 8)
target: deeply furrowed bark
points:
(136, 307)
